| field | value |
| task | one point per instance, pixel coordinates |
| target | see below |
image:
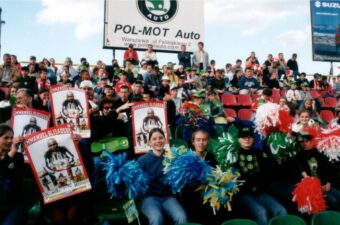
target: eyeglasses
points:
(108, 108)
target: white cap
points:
(86, 83)
(165, 77)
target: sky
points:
(233, 28)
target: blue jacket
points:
(247, 83)
(153, 166)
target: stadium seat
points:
(239, 222)
(244, 100)
(229, 100)
(314, 94)
(245, 114)
(326, 218)
(326, 115)
(287, 220)
(230, 112)
(111, 144)
(329, 102)
(179, 132)
(31, 199)
(178, 142)
(107, 208)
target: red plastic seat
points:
(327, 115)
(245, 114)
(314, 93)
(330, 102)
(244, 100)
(229, 100)
(230, 112)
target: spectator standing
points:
(184, 57)
(8, 72)
(200, 58)
(292, 64)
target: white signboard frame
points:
(165, 24)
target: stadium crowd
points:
(225, 96)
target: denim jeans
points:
(152, 208)
(261, 207)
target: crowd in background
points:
(112, 89)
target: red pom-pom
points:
(286, 121)
(308, 196)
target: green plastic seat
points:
(31, 197)
(240, 222)
(111, 144)
(326, 218)
(179, 132)
(106, 208)
(287, 220)
(178, 142)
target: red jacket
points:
(131, 52)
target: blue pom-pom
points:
(124, 177)
(185, 169)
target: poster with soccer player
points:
(145, 117)
(69, 105)
(56, 163)
(26, 121)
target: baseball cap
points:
(170, 65)
(304, 84)
(86, 83)
(199, 94)
(246, 132)
(173, 86)
(165, 77)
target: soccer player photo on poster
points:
(69, 105)
(28, 121)
(145, 117)
(56, 163)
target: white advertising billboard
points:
(166, 24)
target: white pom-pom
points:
(329, 143)
(267, 115)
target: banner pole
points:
(330, 72)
